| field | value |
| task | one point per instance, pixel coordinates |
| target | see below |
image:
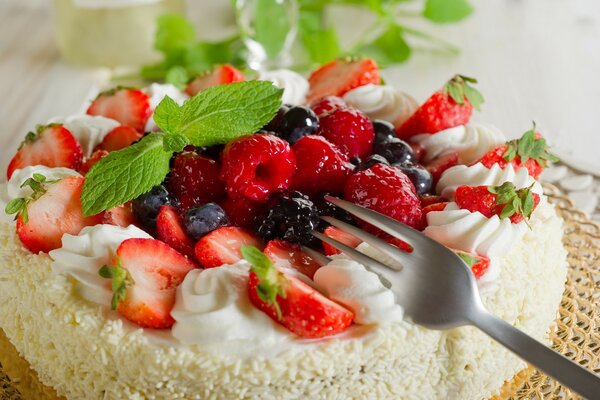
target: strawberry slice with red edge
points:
(289, 255)
(50, 145)
(222, 246)
(127, 105)
(505, 200)
(170, 229)
(52, 210)
(476, 263)
(122, 216)
(340, 236)
(221, 75)
(449, 107)
(438, 166)
(119, 138)
(92, 160)
(291, 302)
(145, 275)
(338, 77)
(530, 151)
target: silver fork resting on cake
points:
(438, 291)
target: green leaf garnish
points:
(121, 280)
(389, 48)
(272, 282)
(18, 206)
(468, 259)
(459, 88)
(444, 11)
(175, 142)
(530, 147)
(513, 201)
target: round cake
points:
(118, 285)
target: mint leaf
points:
(173, 33)
(389, 48)
(125, 174)
(167, 115)
(444, 11)
(177, 76)
(222, 113)
(175, 142)
(319, 40)
(271, 24)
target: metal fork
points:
(438, 291)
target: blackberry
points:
(327, 209)
(291, 217)
(147, 206)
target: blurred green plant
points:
(388, 40)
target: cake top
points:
(179, 209)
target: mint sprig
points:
(121, 280)
(215, 116)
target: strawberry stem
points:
(121, 280)
(530, 146)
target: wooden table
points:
(536, 60)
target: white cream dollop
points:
(480, 175)
(361, 291)
(473, 232)
(470, 141)
(295, 86)
(382, 102)
(13, 190)
(81, 256)
(157, 92)
(89, 130)
(213, 308)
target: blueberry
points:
(276, 121)
(396, 151)
(418, 175)
(384, 131)
(147, 206)
(370, 161)
(213, 152)
(298, 122)
(202, 220)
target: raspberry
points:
(243, 212)
(327, 104)
(387, 190)
(321, 166)
(256, 166)
(194, 180)
(350, 130)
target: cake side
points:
(86, 352)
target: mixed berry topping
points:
(147, 206)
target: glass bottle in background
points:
(110, 33)
(268, 28)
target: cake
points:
(150, 262)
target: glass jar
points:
(110, 33)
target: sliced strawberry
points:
(434, 207)
(340, 236)
(119, 138)
(221, 75)
(531, 152)
(291, 302)
(120, 216)
(429, 199)
(399, 243)
(438, 166)
(126, 105)
(418, 152)
(478, 264)
(145, 277)
(244, 212)
(289, 255)
(449, 107)
(53, 210)
(170, 229)
(340, 76)
(90, 162)
(222, 246)
(51, 145)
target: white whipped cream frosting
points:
(295, 86)
(82, 255)
(13, 190)
(382, 102)
(473, 232)
(213, 307)
(361, 291)
(89, 130)
(480, 175)
(470, 141)
(157, 92)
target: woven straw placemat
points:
(576, 334)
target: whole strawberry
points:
(291, 302)
(449, 107)
(530, 151)
(256, 166)
(342, 75)
(387, 190)
(505, 201)
(349, 129)
(321, 166)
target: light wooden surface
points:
(535, 59)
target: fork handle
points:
(543, 358)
